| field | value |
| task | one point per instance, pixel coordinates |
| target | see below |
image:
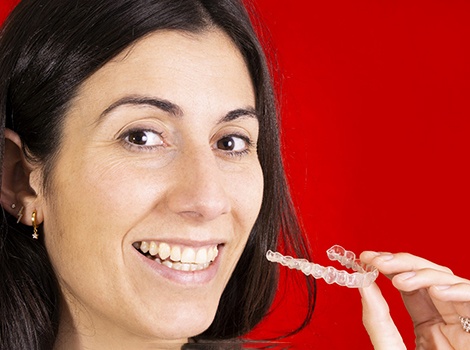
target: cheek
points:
(247, 192)
(89, 216)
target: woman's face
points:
(155, 189)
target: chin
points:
(184, 323)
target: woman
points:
(143, 180)
(141, 143)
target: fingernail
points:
(441, 287)
(372, 253)
(407, 275)
(386, 256)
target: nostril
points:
(191, 214)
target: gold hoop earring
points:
(35, 226)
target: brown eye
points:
(226, 144)
(144, 138)
(232, 144)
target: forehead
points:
(177, 66)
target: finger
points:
(368, 255)
(454, 300)
(391, 264)
(459, 292)
(376, 317)
(457, 337)
(425, 278)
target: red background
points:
(375, 102)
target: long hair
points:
(48, 48)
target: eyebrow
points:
(173, 109)
(164, 105)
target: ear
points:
(19, 177)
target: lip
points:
(186, 278)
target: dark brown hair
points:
(47, 49)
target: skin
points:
(182, 187)
(433, 296)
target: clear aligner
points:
(363, 276)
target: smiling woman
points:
(143, 185)
(142, 151)
(160, 175)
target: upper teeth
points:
(176, 253)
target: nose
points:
(199, 190)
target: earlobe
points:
(16, 192)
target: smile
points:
(176, 257)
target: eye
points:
(147, 138)
(233, 144)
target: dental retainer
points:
(364, 276)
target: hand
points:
(376, 317)
(433, 296)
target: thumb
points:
(376, 317)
